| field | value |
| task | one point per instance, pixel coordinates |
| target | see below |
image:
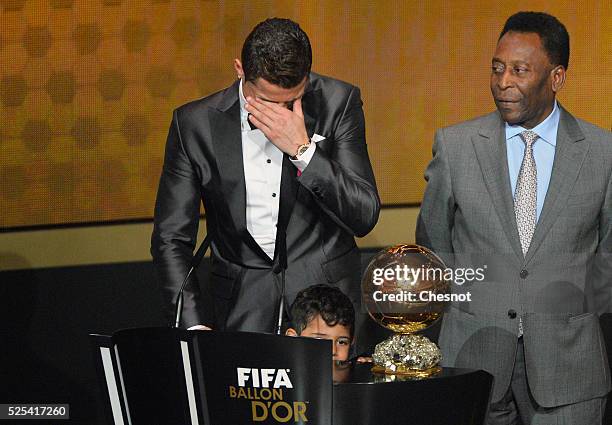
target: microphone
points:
(197, 258)
(282, 263)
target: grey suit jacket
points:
(557, 288)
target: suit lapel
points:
(490, 147)
(569, 157)
(227, 142)
(311, 103)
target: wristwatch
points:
(300, 151)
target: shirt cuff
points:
(304, 159)
(198, 328)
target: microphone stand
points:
(197, 258)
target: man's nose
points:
(505, 80)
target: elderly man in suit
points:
(526, 192)
(279, 160)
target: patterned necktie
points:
(525, 194)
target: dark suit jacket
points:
(467, 216)
(320, 212)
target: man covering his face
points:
(280, 162)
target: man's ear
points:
(291, 332)
(558, 78)
(238, 68)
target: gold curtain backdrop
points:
(87, 88)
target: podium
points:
(171, 376)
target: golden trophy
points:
(405, 289)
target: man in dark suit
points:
(280, 161)
(527, 191)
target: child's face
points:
(340, 336)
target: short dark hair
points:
(552, 32)
(334, 307)
(278, 51)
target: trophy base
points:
(407, 355)
(408, 373)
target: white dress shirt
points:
(263, 164)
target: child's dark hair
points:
(334, 307)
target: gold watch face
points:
(302, 149)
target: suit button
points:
(524, 273)
(512, 314)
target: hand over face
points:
(283, 127)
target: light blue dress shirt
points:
(543, 152)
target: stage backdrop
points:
(87, 87)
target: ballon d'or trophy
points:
(405, 290)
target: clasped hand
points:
(283, 127)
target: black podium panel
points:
(454, 397)
(164, 376)
(151, 368)
(264, 379)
